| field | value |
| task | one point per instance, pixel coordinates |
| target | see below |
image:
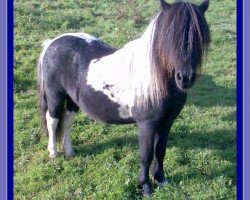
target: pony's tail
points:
(43, 106)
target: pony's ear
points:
(164, 5)
(204, 5)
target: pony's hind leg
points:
(51, 126)
(55, 102)
(67, 121)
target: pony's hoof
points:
(161, 184)
(69, 155)
(52, 156)
(146, 190)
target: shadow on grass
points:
(231, 117)
(220, 141)
(206, 93)
(223, 141)
(228, 171)
(96, 148)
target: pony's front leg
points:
(146, 145)
(159, 154)
(51, 126)
(67, 121)
(160, 145)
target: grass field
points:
(201, 156)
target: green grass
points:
(201, 156)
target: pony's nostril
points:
(178, 75)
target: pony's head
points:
(181, 38)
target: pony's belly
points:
(100, 107)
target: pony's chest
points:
(169, 108)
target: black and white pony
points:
(144, 82)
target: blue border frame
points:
(3, 99)
(239, 101)
(240, 192)
(246, 100)
(10, 87)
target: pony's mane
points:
(180, 31)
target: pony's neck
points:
(148, 88)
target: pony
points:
(145, 82)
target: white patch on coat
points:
(67, 121)
(51, 126)
(128, 71)
(85, 36)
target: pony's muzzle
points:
(185, 80)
